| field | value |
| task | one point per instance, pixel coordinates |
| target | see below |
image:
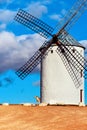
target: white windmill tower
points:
(61, 83)
(62, 58)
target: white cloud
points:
(63, 11)
(2, 1)
(84, 43)
(63, 3)
(56, 17)
(37, 9)
(6, 15)
(2, 26)
(6, 2)
(47, 1)
(16, 50)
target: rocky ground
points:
(19, 117)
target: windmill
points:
(69, 53)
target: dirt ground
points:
(18, 117)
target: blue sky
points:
(18, 43)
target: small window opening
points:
(51, 51)
(81, 95)
(81, 73)
(73, 50)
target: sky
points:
(18, 43)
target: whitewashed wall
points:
(56, 84)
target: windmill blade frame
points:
(72, 16)
(23, 71)
(34, 23)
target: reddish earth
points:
(18, 117)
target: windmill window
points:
(81, 91)
(51, 51)
(73, 50)
(81, 73)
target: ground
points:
(18, 117)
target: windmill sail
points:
(72, 16)
(34, 23)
